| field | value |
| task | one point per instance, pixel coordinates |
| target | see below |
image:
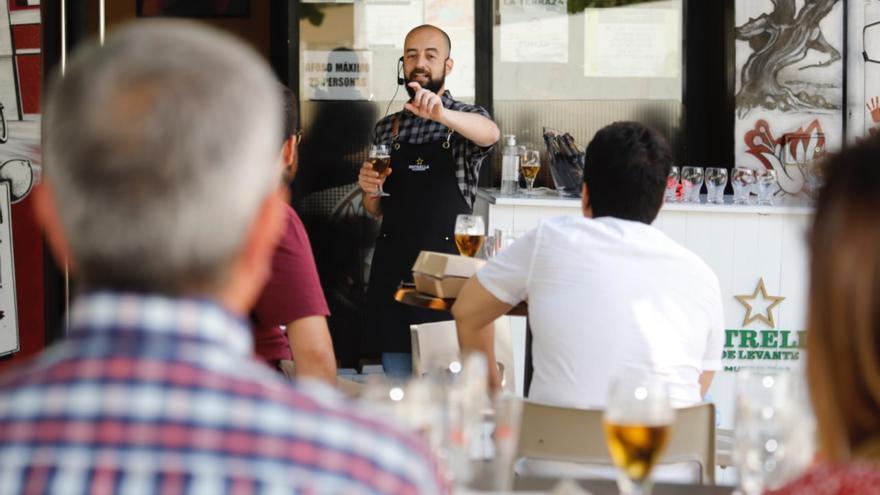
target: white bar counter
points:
(743, 244)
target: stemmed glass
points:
(637, 421)
(461, 380)
(380, 158)
(530, 165)
(672, 183)
(692, 182)
(470, 233)
(742, 181)
(767, 449)
(716, 180)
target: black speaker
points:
(400, 79)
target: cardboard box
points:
(443, 275)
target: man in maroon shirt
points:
(293, 296)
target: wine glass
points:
(766, 182)
(461, 379)
(406, 400)
(380, 159)
(672, 183)
(692, 182)
(637, 421)
(530, 165)
(765, 449)
(716, 180)
(470, 233)
(742, 180)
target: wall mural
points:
(865, 70)
(22, 328)
(789, 87)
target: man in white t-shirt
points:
(607, 292)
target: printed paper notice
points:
(534, 31)
(632, 42)
(8, 308)
(336, 75)
(450, 14)
(386, 24)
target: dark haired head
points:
(625, 171)
(289, 116)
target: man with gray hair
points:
(158, 191)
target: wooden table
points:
(407, 294)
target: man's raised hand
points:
(425, 104)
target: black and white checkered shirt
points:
(414, 130)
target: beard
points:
(432, 85)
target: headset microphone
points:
(400, 82)
(400, 78)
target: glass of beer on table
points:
(637, 421)
(470, 233)
(380, 159)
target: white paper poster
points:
(8, 309)
(336, 75)
(630, 42)
(385, 24)
(450, 14)
(534, 32)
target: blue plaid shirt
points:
(156, 395)
(415, 130)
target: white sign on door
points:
(8, 312)
(336, 75)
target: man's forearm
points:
(475, 312)
(705, 382)
(312, 348)
(474, 127)
(372, 204)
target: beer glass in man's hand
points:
(380, 159)
(470, 233)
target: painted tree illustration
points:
(780, 39)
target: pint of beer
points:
(469, 245)
(470, 234)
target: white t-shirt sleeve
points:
(715, 341)
(507, 275)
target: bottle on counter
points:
(510, 166)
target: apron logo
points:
(419, 166)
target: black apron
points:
(419, 215)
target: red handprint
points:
(874, 107)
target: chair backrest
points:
(440, 338)
(576, 435)
(430, 340)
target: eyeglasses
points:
(298, 134)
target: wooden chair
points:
(430, 340)
(576, 436)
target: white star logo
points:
(764, 304)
